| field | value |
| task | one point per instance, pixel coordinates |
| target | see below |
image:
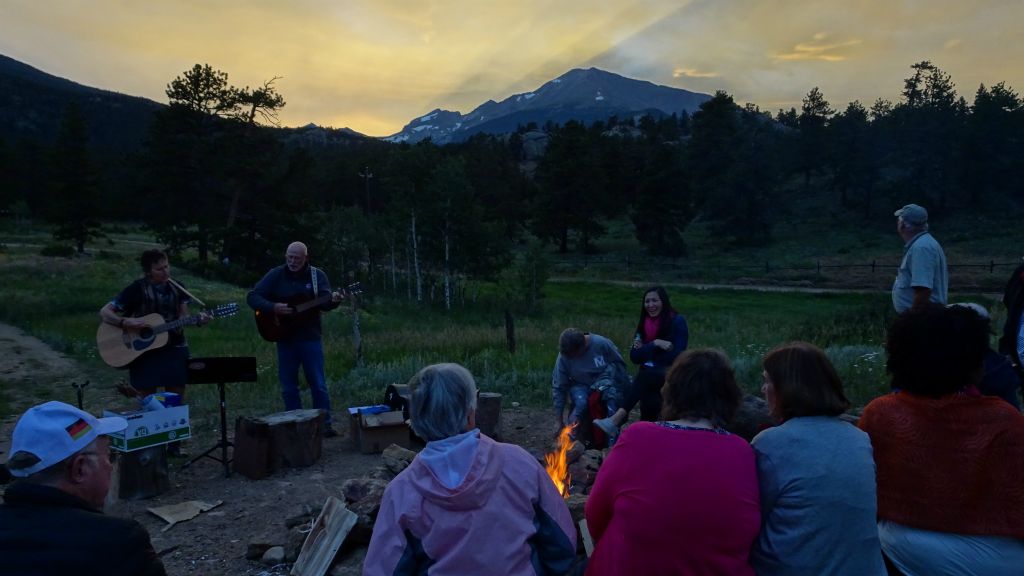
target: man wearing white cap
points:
(52, 521)
(922, 275)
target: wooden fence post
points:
(357, 337)
(510, 332)
(488, 414)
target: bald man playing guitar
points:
(288, 302)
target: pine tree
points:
(75, 208)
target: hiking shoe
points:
(330, 432)
(609, 428)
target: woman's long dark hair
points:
(664, 319)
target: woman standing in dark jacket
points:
(661, 335)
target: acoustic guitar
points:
(118, 347)
(305, 308)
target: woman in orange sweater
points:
(949, 464)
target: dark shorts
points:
(160, 368)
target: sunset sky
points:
(373, 65)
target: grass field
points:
(57, 299)
(844, 244)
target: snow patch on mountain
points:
(585, 95)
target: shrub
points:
(58, 250)
(109, 255)
(521, 285)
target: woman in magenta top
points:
(661, 336)
(679, 496)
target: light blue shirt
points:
(1020, 338)
(818, 500)
(923, 266)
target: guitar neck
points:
(175, 324)
(299, 308)
(325, 298)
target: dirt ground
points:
(215, 542)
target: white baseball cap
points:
(912, 214)
(55, 430)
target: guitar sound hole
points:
(146, 333)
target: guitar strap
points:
(186, 292)
(312, 274)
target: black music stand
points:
(219, 371)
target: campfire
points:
(557, 462)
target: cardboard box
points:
(151, 428)
(354, 423)
(373, 432)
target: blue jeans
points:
(165, 368)
(578, 394)
(310, 355)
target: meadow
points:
(56, 299)
(816, 245)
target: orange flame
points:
(557, 464)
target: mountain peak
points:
(583, 94)
(592, 71)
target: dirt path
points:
(742, 287)
(780, 288)
(215, 542)
(30, 372)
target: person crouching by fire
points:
(588, 363)
(679, 496)
(467, 504)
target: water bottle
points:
(151, 403)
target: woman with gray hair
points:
(467, 504)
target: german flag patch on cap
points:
(78, 429)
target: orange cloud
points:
(818, 49)
(692, 73)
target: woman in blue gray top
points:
(816, 473)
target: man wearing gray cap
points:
(52, 521)
(922, 275)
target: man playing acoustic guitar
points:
(275, 298)
(165, 366)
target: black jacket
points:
(44, 530)
(1013, 298)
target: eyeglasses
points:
(112, 455)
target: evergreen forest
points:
(217, 182)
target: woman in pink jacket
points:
(467, 504)
(679, 496)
